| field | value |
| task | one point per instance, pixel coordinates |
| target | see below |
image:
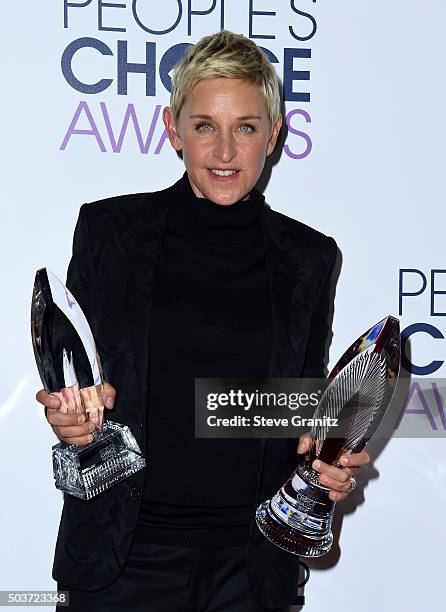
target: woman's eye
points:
(246, 125)
(203, 125)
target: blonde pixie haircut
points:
(225, 54)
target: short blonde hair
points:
(225, 54)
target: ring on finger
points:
(353, 484)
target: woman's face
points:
(225, 135)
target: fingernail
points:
(322, 478)
(109, 402)
(81, 418)
(316, 464)
(301, 448)
(344, 460)
(54, 403)
(90, 438)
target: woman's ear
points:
(171, 129)
(274, 135)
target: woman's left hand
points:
(336, 479)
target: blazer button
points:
(135, 493)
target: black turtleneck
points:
(210, 318)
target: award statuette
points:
(299, 516)
(70, 369)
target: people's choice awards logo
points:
(125, 48)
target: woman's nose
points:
(225, 148)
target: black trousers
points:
(160, 578)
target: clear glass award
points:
(70, 368)
(299, 516)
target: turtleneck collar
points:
(209, 214)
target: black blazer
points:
(116, 246)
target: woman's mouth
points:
(223, 175)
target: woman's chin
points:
(225, 194)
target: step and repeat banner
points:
(361, 159)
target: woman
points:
(198, 280)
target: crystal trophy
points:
(70, 368)
(299, 516)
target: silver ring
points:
(353, 483)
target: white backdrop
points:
(374, 180)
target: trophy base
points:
(90, 469)
(289, 539)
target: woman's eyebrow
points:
(200, 117)
(244, 118)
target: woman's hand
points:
(337, 479)
(72, 427)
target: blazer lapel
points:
(281, 271)
(143, 248)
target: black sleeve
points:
(314, 365)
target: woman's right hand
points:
(71, 427)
